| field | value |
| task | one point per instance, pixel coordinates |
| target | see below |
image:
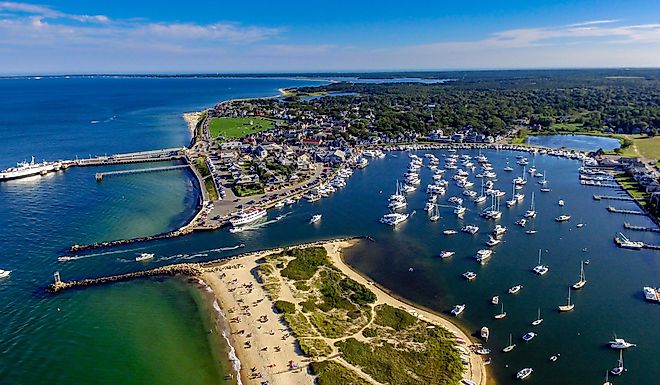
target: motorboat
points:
(450, 232)
(538, 319)
(561, 202)
(626, 243)
(493, 241)
(144, 257)
(528, 336)
(470, 229)
(4, 273)
(524, 373)
(510, 346)
(540, 269)
(485, 333)
(482, 351)
(470, 275)
(620, 343)
(563, 218)
(446, 254)
(315, 218)
(521, 222)
(583, 281)
(459, 210)
(495, 300)
(483, 255)
(554, 357)
(279, 204)
(499, 230)
(651, 294)
(458, 309)
(569, 306)
(393, 219)
(515, 289)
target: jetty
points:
(614, 198)
(132, 157)
(101, 175)
(628, 226)
(624, 211)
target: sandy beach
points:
(264, 345)
(191, 118)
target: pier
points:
(101, 175)
(624, 211)
(614, 198)
(132, 157)
(598, 184)
(628, 226)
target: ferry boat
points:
(4, 273)
(458, 309)
(315, 218)
(144, 257)
(247, 216)
(651, 294)
(524, 373)
(26, 169)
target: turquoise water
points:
(137, 333)
(575, 142)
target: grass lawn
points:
(238, 127)
(572, 127)
(644, 146)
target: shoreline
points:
(241, 303)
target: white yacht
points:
(483, 255)
(528, 336)
(144, 257)
(315, 218)
(446, 254)
(4, 273)
(247, 216)
(540, 269)
(524, 373)
(620, 343)
(651, 294)
(459, 210)
(563, 218)
(499, 230)
(393, 219)
(561, 202)
(450, 232)
(493, 241)
(470, 229)
(470, 275)
(397, 205)
(515, 289)
(583, 281)
(458, 309)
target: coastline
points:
(261, 340)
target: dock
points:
(132, 157)
(628, 226)
(624, 211)
(598, 184)
(101, 175)
(614, 198)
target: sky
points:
(220, 36)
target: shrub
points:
(334, 373)
(305, 263)
(285, 307)
(394, 318)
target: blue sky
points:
(82, 36)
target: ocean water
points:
(107, 334)
(575, 142)
(135, 333)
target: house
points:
(337, 157)
(260, 152)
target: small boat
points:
(529, 336)
(493, 241)
(4, 273)
(618, 370)
(144, 257)
(483, 351)
(563, 218)
(569, 306)
(515, 289)
(458, 309)
(446, 254)
(64, 258)
(521, 222)
(470, 275)
(579, 225)
(450, 232)
(483, 255)
(501, 314)
(545, 189)
(540, 269)
(495, 300)
(485, 333)
(583, 281)
(508, 168)
(466, 381)
(279, 204)
(538, 319)
(555, 357)
(561, 202)
(620, 343)
(315, 218)
(524, 373)
(510, 346)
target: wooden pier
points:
(614, 198)
(624, 211)
(598, 184)
(133, 157)
(101, 175)
(628, 226)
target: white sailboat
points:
(619, 369)
(510, 346)
(531, 212)
(502, 313)
(583, 281)
(435, 214)
(569, 306)
(538, 319)
(540, 269)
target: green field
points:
(238, 127)
(644, 146)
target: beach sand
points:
(263, 342)
(191, 118)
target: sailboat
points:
(543, 181)
(435, 214)
(531, 213)
(618, 370)
(540, 269)
(513, 200)
(607, 379)
(533, 230)
(583, 281)
(502, 313)
(510, 346)
(569, 306)
(538, 319)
